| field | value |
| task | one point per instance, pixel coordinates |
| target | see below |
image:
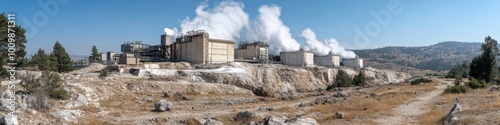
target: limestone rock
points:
(163, 105)
(452, 117)
(9, 120)
(244, 116)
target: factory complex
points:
(197, 47)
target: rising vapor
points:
(268, 27)
(225, 21)
(325, 47)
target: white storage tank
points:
(297, 58)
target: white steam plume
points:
(325, 47)
(171, 32)
(268, 27)
(225, 21)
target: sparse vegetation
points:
(484, 67)
(360, 79)
(459, 71)
(94, 54)
(341, 80)
(61, 58)
(419, 81)
(104, 72)
(432, 117)
(49, 84)
(42, 61)
(475, 84)
(457, 89)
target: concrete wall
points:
(220, 51)
(356, 62)
(128, 58)
(253, 52)
(200, 49)
(297, 58)
(329, 60)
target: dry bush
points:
(432, 117)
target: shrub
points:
(49, 84)
(104, 72)
(457, 89)
(341, 80)
(421, 80)
(360, 79)
(474, 84)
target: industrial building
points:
(355, 62)
(133, 47)
(197, 47)
(330, 60)
(252, 52)
(297, 58)
(128, 59)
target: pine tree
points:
(359, 80)
(61, 58)
(342, 79)
(484, 67)
(20, 38)
(42, 60)
(3, 71)
(95, 54)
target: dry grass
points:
(362, 108)
(432, 117)
(468, 121)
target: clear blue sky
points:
(79, 24)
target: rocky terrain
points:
(441, 56)
(233, 93)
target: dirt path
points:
(406, 113)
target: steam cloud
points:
(268, 27)
(325, 47)
(171, 32)
(227, 20)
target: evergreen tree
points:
(484, 67)
(20, 39)
(61, 58)
(342, 79)
(104, 72)
(359, 80)
(3, 71)
(94, 54)
(42, 60)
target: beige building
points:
(329, 60)
(196, 47)
(297, 58)
(129, 59)
(356, 62)
(253, 52)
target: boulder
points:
(244, 116)
(163, 105)
(339, 115)
(9, 120)
(302, 120)
(275, 120)
(452, 117)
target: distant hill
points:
(441, 56)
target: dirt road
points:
(406, 113)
